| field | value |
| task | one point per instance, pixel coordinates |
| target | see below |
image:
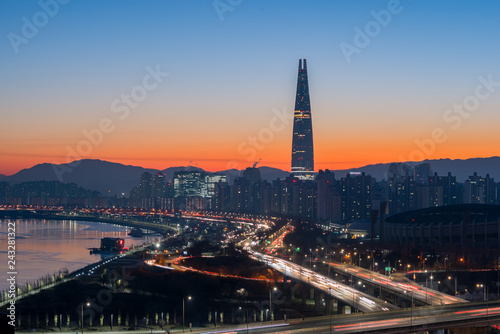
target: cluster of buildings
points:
(325, 199)
(304, 194)
(189, 190)
(51, 194)
(320, 197)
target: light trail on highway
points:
(407, 287)
(397, 321)
(347, 294)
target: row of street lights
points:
(270, 310)
(183, 311)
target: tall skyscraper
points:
(302, 143)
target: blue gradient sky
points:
(227, 76)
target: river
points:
(47, 246)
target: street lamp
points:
(270, 301)
(88, 304)
(183, 314)
(456, 291)
(484, 289)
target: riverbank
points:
(34, 285)
(155, 226)
(135, 296)
(158, 227)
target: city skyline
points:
(159, 172)
(214, 80)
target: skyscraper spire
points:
(302, 143)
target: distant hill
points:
(270, 173)
(461, 168)
(169, 172)
(231, 174)
(266, 173)
(378, 171)
(2, 176)
(111, 178)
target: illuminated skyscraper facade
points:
(302, 143)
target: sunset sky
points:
(228, 98)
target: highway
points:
(402, 285)
(347, 294)
(399, 321)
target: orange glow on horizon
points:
(333, 158)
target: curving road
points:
(402, 285)
(347, 294)
(400, 321)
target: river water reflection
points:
(47, 246)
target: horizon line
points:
(221, 170)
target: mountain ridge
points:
(112, 178)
